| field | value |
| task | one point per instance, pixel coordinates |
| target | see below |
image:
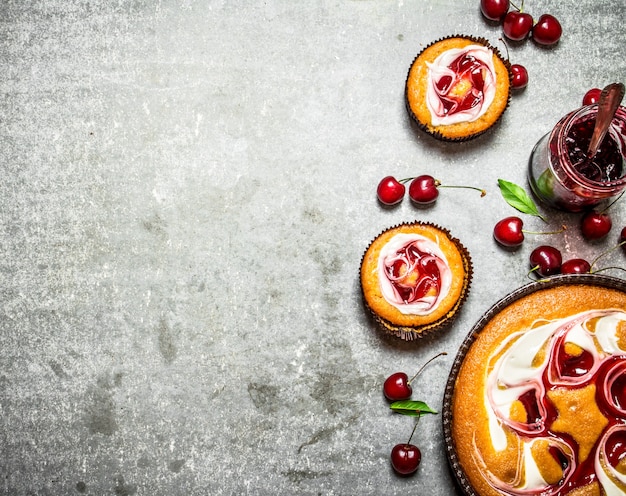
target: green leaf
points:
(411, 408)
(517, 197)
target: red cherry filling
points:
(413, 273)
(615, 447)
(531, 405)
(559, 457)
(465, 90)
(612, 396)
(618, 392)
(573, 365)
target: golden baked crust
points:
(576, 414)
(417, 84)
(389, 317)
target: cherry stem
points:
(532, 271)
(439, 185)
(413, 431)
(608, 268)
(612, 203)
(606, 253)
(482, 191)
(563, 228)
(508, 57)
(423, 366)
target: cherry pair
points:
(423, 189)
(547, 261)
(518, 25)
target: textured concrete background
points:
(187, 189)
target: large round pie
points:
(536, 401)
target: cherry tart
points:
(536, 403)
(414, 279)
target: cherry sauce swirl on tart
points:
(539, 405)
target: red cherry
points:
(595, 225)
(423, 189)
(519, 77)
(546, 260)
(397, 387)
(508, 231)
(494, 10)
(390, 191)
(592, 96)
(575, 266)
(622, 239)
(547, 30)
(517, 25)
(405, 458)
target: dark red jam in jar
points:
(560, 173)
(607, 165)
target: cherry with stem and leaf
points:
(406, 457)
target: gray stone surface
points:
(187, 189)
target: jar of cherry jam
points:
(560, 173)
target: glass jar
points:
(560, 174)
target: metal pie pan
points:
(560, 280)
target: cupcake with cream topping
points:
(414, 279)
(457, 88)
